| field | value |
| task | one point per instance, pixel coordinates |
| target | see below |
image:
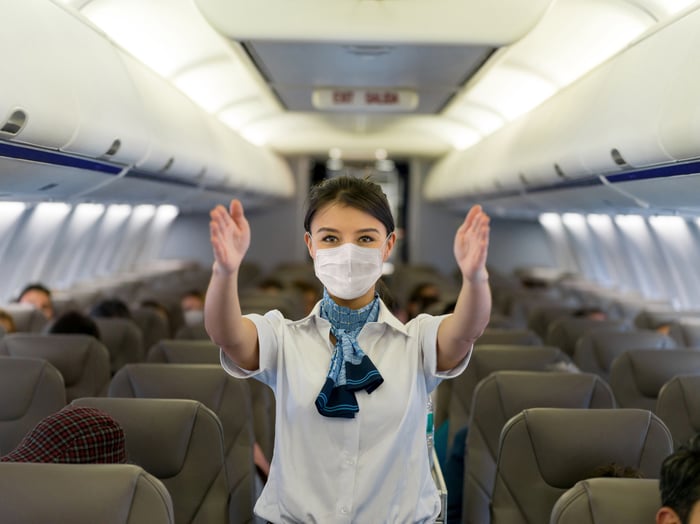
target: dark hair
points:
(617, 471)
(34, 286)
(74, 322)
(679, 481)
(110, 308)
(360, 193)
(193, 293)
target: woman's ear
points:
(307, 239)
(390, 241)
(667, 516)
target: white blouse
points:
(370, 469)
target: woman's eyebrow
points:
(333, 230)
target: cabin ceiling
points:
(474, 66)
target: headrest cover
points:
(74, 435)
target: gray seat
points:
(81, 359)
(678, 405)
(685, 331)
(206, 352)
(27, 318)
(122, 337)
(181, 443)
(181, 351)
(608, 501)
(565, 331)
(30, 389)
(539, 318)
(82, 494)
(229, 398)
(484, 361)
(596, 351)
(543, 452)
(498, 398)
(154, 327)
(636, 376)
(518, 337)
(192, 332)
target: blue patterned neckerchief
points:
(350, 370)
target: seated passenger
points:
(192, 304)
(680, 485)
(73, 435)
(7, 323)
(74, 322)
(38, 296)
(422, 296)
(110, 308)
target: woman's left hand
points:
(471, 245)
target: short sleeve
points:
(428, 328)
(269, 328)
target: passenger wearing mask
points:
(192, 304)
(351, 381)
(38, 296)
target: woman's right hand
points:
(230, 236)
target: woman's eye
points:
(366, 240)
(329, 238)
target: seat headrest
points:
(19, 378)
(653, 368)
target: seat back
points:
(192, 332)
(501, 396)
(596, 351)
(206, 352)
(608, 501)
(678, 405)
(27, 318)
(539, 318)
(154, 326)
(484, 361)
(229, 398)
(30, 389)
(184, 352)
(81, 359)
(636, 377)
(565, 331)
(685, 331)
(181, 443)
(82, 494)
(543, 452)
(504, 336)
(122, 337)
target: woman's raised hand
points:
(230, 236)
(471, 245)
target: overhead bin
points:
(33, 55)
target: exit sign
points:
(365, 100)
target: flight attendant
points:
(351, 381)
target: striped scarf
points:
(350, 370)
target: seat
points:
(565, 331)
(520, 337)
(27, 319)
(82, 494)
(229, 398)
(206, 352)
(181, 443)
(484, 361)
(181, 351)
(122, 337)
(81, 359)
(501, 396)
(30, 389)
(636, 376)
(685, 331)
(192, 332)
(608, 501)
(678, 405)
(154, 327)
(543, 452)
(539, 318)
(596, 351)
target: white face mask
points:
(348, 271)
(193, 317)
